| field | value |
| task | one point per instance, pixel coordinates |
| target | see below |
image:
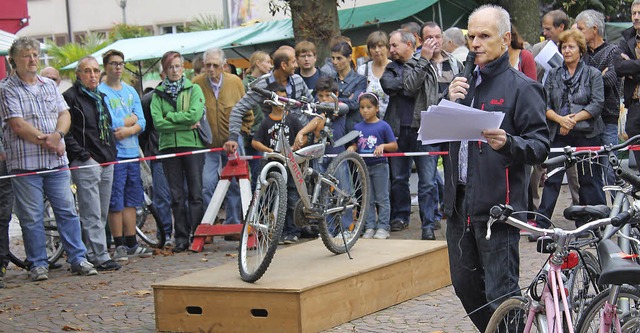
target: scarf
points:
(103, 116)
(173, 88)
(571, 84)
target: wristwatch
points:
(61, 134)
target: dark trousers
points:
(177, 170)
(484, 272)
(589, 177)
(6, 205)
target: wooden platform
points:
(305, 289)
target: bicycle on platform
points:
(328, 200)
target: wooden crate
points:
(306, 288)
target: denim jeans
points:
(162, 197)
(177, 170)
(29, 194)
(93, 195)
(589, 177)
(401, 171)
(438, 183)
(482, 271)
(254, 165)
(213, 162)
(6, 206)
(378, 193)
(609, 136)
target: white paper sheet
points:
(549, 57)
(450, 121)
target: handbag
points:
(204, 129)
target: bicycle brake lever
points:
(489, 223)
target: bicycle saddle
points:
(585, 214)
(616, 269)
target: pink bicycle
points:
(549, 311)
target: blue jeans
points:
(213, 163)
(6, 206)
(254, 165)
(162, 197)
(29, 193)
(589, 177)
(609, 136)
(482, 271)
(400, 173)
(378, 193)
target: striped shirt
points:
(39, 105)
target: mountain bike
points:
(149, 226)
(327, 199)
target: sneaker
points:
(532, 223)
(140, 251)
(347, 235)
(290, 239)
(170, 242)
(398, 225)
(39, 273)
(121, 253)
(109, 265)
(368, 234)
(381, 234)
(83, 268)
(437, 225)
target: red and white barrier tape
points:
(202, 151)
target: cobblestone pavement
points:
(122, 301)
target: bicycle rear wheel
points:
(511, 316)
(340, 230)
(632, 326)
(590, 320)
(262, 228)
(149, 227)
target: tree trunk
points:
(315, 21)
(525, 15)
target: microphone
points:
(469, 65)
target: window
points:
(172, 29)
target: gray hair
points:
(23, 43)
(592, 18)
(83, 60)
(635, 3)
(216, 52)
(503, 20)
(455, 35)
(405, 36)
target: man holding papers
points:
(480, 174)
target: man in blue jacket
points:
(479, 175)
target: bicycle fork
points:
(609, 314)
(552, 308)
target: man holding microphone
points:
(479, 175)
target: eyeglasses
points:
(216, 66)
(175, 68)
(117, 64)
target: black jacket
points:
(148, 139)
(630, 70)
(401, 101)
(495, 177)
(83, 139)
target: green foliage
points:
(124, 31)
(613, 10)
(205, 22)
(68, 53)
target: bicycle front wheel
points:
(149, 227)
(262, 228)
(590, 320)
(632, 326)
(341, 228)
(511, 316)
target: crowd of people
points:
(575, 103)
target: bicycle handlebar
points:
(502, 213)
(322, 107)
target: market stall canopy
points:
(6, 39)
(245, 40)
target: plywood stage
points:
(305, 289)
